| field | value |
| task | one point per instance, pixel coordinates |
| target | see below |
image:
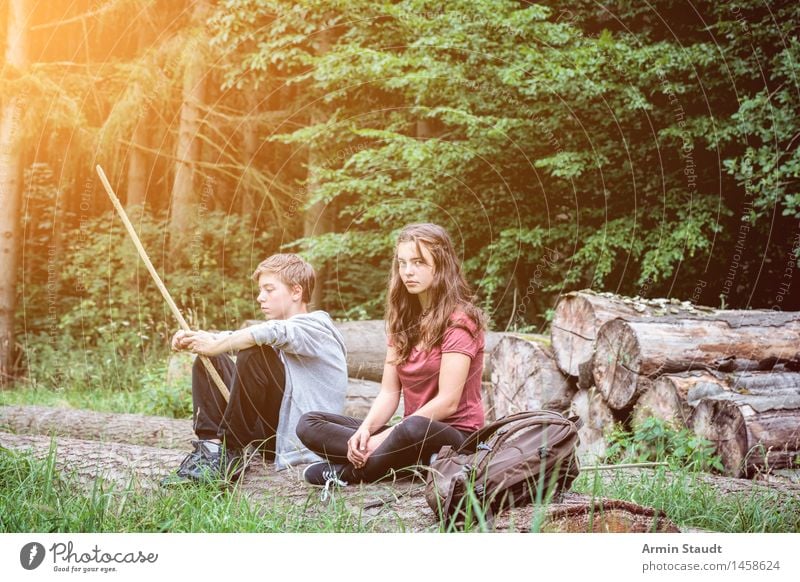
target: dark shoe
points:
(326, 475)
(216, 463)
(181, 475)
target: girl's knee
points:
(414, 428)
(307, 426)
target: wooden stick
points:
(153, 273)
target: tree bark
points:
(674, 396)
(580, 314)
(86, 460)
(137, 165)
(136, 191)
(320, 217)
(249, 210)
(133, 429)
(526, 377)
(752, 433)
(577, 513)
(667, 398)
(188, 146)
(627, 353)
(16, 59)
(598, 419)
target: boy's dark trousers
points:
(256, 383)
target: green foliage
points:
(656, 440)
(499, 119)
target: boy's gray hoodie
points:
(315, 357)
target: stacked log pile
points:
(731, 376)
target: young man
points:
(292, 363)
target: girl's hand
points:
(357, 447)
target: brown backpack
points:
(511, 462)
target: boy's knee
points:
(257, 355)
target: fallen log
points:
(576, 513)
(598, 419)
(360, 396)
(580, 314)
(133, 429)
(390, 506)
(627, 353)
(673, 396)
(526, 377)
(667, 398)
(84, 461)
(751, 433)
(137, 429)
(366, 347)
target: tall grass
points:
(34, 496)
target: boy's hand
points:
(179, 341)
(204, 343)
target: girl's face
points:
(416, 271)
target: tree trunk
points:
(320, 217)
(188, 146)
(580, 314)
(526, 377)
(674, 396)
(86, 460)
(576, 513)
(16, 58)
(136, 191)
(360, 396)
(133, 429)
(629, 352)
(667, 398)
(248, 206)
(752, 434)
(597, 418)
(749, 440)
(366, 347)
(137, 165)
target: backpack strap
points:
(471, 444)
(577, 421)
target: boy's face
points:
(276, 298)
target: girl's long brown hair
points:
(448, 292)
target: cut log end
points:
(722, 423)
(573, 332)
(617, 363)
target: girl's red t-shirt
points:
(419, 375)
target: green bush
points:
(659, 441)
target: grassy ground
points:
(33, 497)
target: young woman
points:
(434, 360)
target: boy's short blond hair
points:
(292, 270)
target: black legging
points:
(412, 442)
(256, 382)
